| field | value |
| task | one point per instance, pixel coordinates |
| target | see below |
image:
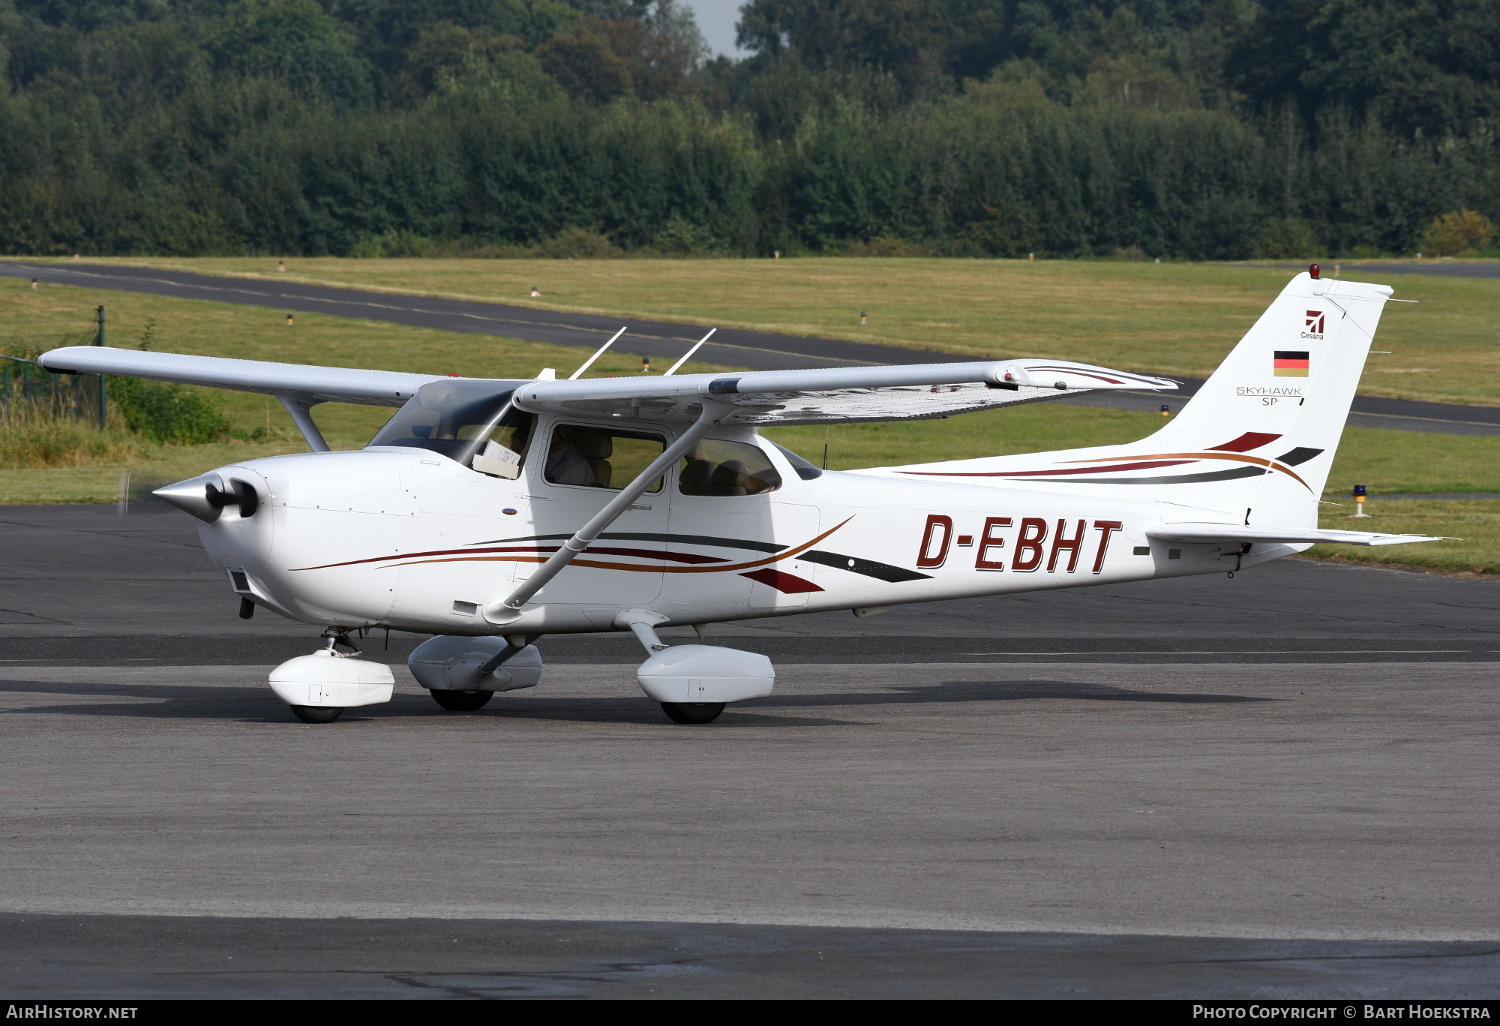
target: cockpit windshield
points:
(460, 418)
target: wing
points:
(1208, 533)
(293, 381)
(909, 392)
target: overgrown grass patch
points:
(33, 439)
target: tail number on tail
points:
(1030, 548)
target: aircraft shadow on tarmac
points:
(252, 704)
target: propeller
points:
(207, 495)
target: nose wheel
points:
(692, 712)
(461, 701)
(317, 713)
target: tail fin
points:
(1259, 436)
(1283, 394)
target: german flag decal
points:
(1289, 364)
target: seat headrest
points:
(593, 445)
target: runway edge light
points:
(1360, 491)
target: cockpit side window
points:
(717, 466)
(591, 457)
(466, 420)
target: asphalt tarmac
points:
(1277, 785)
(662, 340)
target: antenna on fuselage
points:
(600, 352)
(673, 369)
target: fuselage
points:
(412, 540)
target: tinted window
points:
(592, 457)
(720, 467)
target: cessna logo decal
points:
(1313, 327)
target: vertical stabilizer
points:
(1283, 394)
(1255, 443)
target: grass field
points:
(1160, 318)
(1386, 461)
(1473, 524)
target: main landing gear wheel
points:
(317, 713)
(461, 701)
(692, 712)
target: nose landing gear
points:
(319, 687)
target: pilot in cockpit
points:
(567, 465)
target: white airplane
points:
(491, 512)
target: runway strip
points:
(1233, 801)
(1287, 783)
(1030, 805)
(731, 347)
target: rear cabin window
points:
(721, 467)
(592, 457)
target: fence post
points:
(103, 398)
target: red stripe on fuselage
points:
(782, 581)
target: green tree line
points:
(1196, 129)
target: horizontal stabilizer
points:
(1200, 534)
(294, 380)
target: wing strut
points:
(509, 610)
(299, 408)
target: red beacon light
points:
(1313, 271)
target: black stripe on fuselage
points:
(868, 567)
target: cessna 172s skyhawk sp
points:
(492, 512)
